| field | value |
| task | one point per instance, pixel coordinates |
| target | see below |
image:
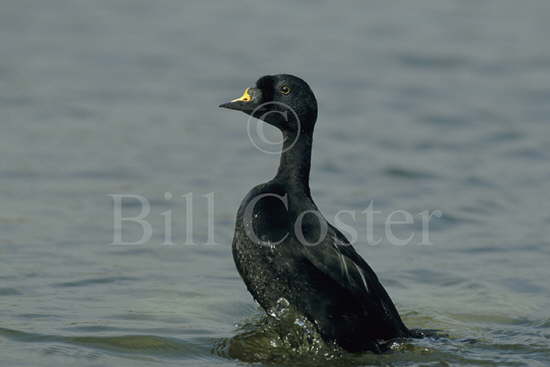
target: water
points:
(431, 105)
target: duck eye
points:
(285, 89)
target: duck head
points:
(284, 101)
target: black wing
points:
(337, 259)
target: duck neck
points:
(295, 161)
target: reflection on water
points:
(436, 105)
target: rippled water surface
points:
(425, 105)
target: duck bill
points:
(248, 102)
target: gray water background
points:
(425, 105)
